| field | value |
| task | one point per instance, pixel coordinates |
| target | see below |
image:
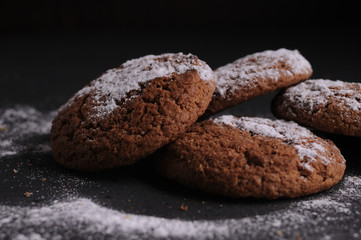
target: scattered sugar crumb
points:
(28, 194)
(298, 236)
(184, 207)
(7, 153)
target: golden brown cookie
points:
(326, 105)
(257, 74)
(252, 157)
(129, 112)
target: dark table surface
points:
(41, 71)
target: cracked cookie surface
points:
(252, 157)
(257, 74)
(129, 112)
(326, 105)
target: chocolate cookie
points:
(129, 112)
(257, 74)
(330, 106)
(252, 157)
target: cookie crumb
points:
(28, 194)
(184, 207)
(2, 128)
(129, 200)
(279, 232)
(43, 179)
(298, 236)
(16, 171)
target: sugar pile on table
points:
(20, 123)
(80, 218)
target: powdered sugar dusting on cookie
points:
(308, 146)
(114, 85)
(311, 94)
(263, 65)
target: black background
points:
(281, 16)
(55, 47)
(50, 49)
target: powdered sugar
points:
(263, 65)
(81, 218)
(307, 145)
(20, 123)
(114, 85)
(310, 94)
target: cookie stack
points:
(153, 102)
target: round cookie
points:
(330, 106)
(257, 74)
(252, 157)
(129, 112)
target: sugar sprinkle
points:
(261, 65)
(84, 219)
(20, 123)
(312, 93)
(114, 84)
(306, 143)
